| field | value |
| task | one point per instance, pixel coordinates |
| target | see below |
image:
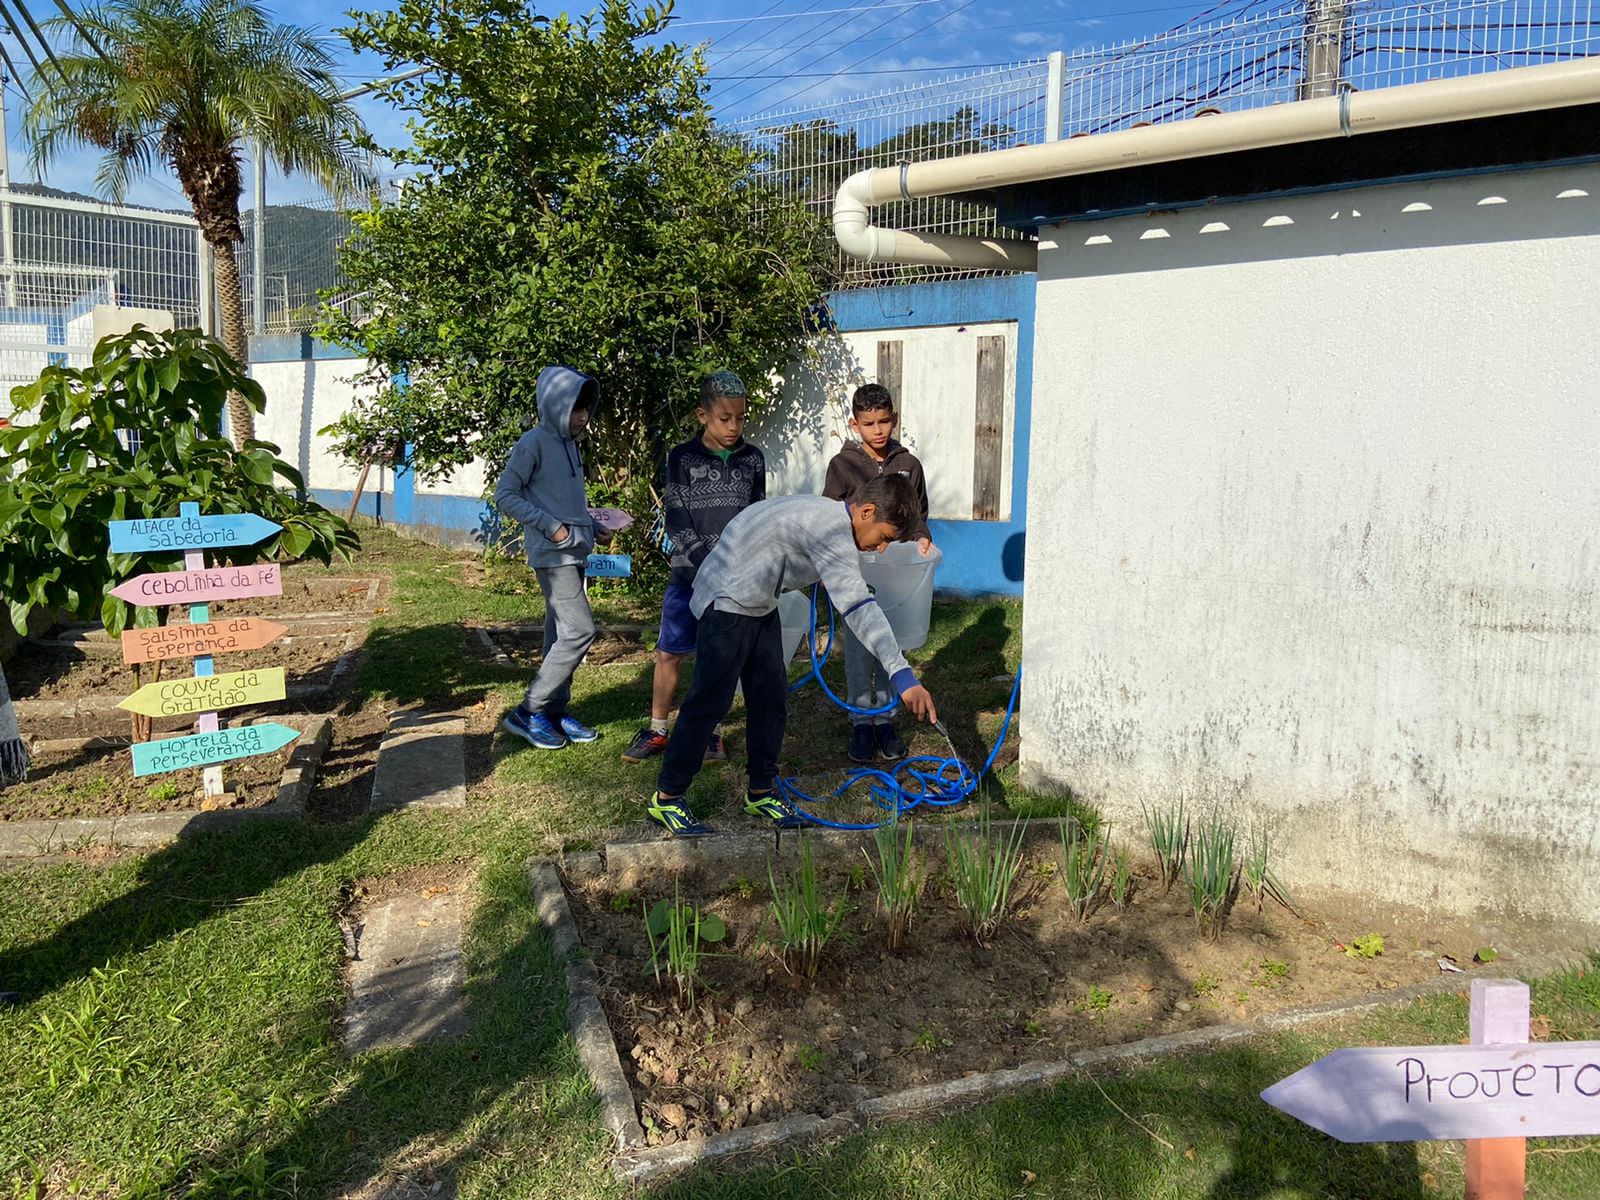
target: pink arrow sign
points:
(1427, 1093)
(201, 586)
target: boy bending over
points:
(777, 545)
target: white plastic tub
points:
(902, 581)
(794, 614)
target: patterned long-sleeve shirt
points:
(704, 491)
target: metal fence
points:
(65, 263)
(300, 262)
(1259, 55)
(60, 258)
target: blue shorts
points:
(679, 628)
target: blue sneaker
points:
(538, 729)
(577, 731)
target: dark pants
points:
(731, 649)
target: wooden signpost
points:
(205, 692)
(188, 641)
(1493, 1093)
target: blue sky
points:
(763, 54)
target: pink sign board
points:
(1423, 1093)
(201, 586)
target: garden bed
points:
(760, 1042)
(98, 781)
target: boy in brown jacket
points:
(874, 420)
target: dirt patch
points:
(344, 781)
(525, 647)
(305, 594)
(761, 1043)
(100, 783)
(49, 671)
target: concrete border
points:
(636, 1164)
(586, 1019)
(30, 839)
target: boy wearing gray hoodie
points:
(542, 489)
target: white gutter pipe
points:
(1495, 94)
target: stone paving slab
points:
(421, 763)
(406, 978)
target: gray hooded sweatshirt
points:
(542, 485)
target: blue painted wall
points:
(980, 557)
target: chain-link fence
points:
(299, 263)
(1258, 56)
(60, 258)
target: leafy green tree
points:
(183, 82)
(572, 203)
(128, 437)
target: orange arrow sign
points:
(190, 641)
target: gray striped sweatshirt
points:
(791, 542)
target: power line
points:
(870, 71)
(749, 95)
(793, 96)
(677, 23)
(815, 36)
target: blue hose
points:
(923, 779)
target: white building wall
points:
(1316, 532)
(938, 408)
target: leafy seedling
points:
(1368, 945)
(676, 931)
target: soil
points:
(51, 671)
(100, 783)
(761, 1043)
(525, 647)
(344, 780)
(307, 594)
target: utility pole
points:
(258, 247)
(1324, 48)
(8, 258)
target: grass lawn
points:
(176, 1027)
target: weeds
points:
(1096, 999)
(622, 901)
(681, 929)
(1169, 838)
(899, 878)
(1210, 874)
(983, 865)
(1368, 945)
(1084, 859)
(806, 921)
(808, 1058)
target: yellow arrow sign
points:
(206, 693)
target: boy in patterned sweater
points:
(711, 478)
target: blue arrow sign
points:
(208, 749)
(217, 531)
(610, 566)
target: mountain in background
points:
(152, 264)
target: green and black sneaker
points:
(769, 806)
(679, 821)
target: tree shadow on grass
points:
(507, 1096)
(178, 887)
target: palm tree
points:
(182, 82)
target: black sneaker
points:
(863, 743)
(890, 747)
(646, 744)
